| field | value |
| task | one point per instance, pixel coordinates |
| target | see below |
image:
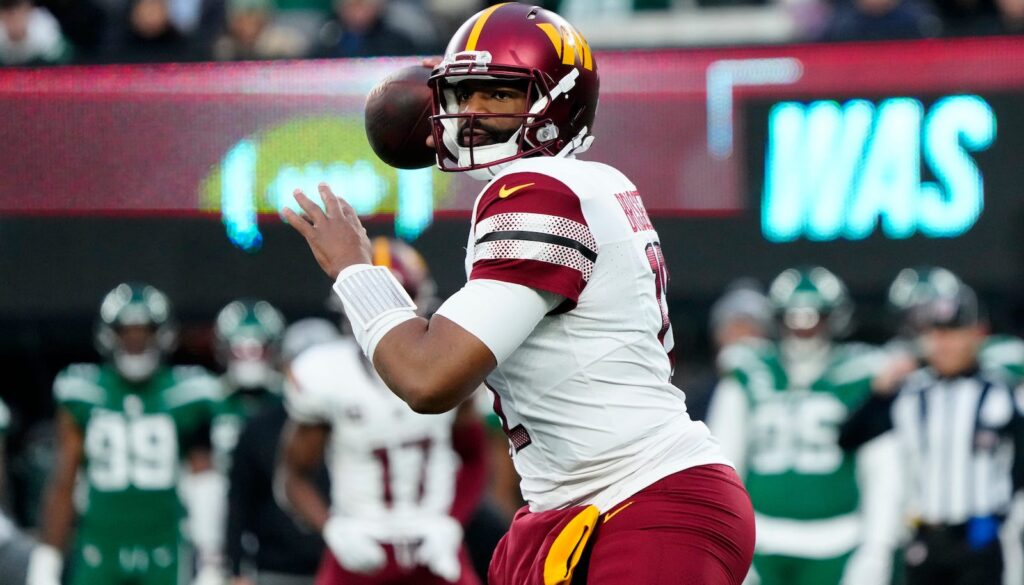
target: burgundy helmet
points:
(526, 44)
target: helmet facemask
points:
(248, 333)
(813, 309)
(137, 367)
(536, 134)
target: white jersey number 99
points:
(140, 452)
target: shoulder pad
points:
(182, 373)
(312, 388)
(193, 384)
(1002, 356)
(79, 383)
(745, 355)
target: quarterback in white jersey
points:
(585, 398)
(564, 317)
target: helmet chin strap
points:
(490, 152)
(486, 173)
(805, 358)
(249, 373)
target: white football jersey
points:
(387, 463)
(586, 400)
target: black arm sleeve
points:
(867, 422)
(242, 505)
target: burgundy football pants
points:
(694, 527)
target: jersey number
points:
(660, 270)
(140, 452)
(406, 451)
(798, 435)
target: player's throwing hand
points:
(334, 234)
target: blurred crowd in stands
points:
(37, 32)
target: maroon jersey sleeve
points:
(529, 229)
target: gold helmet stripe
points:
(478, 27)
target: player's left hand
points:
(439, 551)
(334, 234)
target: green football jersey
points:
(1002, 356)
(795, 467)
(233, 411)
(136, 436)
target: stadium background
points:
(174, 174)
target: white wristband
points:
(374, 302)
(45, 565)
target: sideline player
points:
(564, 316)
(395, 513)
(127, 424)
(248, 337)
(824, 516)
(264, 544)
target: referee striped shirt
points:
(959, 435)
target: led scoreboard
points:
(864, 157)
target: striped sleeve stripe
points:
(539, 237)
(536, 249)
(538, 222)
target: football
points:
(397, 117)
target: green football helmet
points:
(804, 298)
(128, 310)
(248, 336)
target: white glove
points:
(353, 545)
(44, 566)
(868, 565)
(209, 575)
(439, 551)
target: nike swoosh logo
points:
(506, 192)
(611, 515)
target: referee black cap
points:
(952, 309)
